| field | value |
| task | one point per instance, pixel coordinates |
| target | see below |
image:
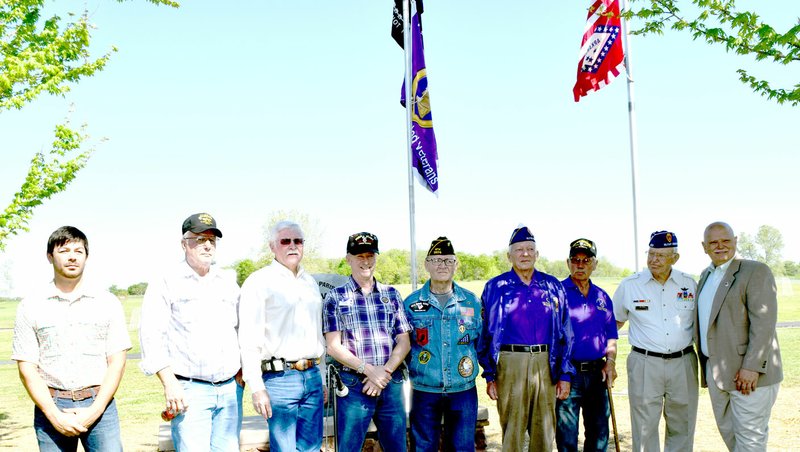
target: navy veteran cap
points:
(362, 242)
(441, 247)
(585, 246)
(521, 234)
(201, 222)
(663, 239)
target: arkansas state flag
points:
(423, 141)
(601, 55)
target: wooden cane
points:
(613, 417)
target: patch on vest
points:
(466, 366)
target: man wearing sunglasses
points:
(593, 353)
(660, 302)
(281, 342)
(443, 362)
(367, 333)
(188, 338)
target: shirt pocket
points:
(47, 336)
(184, 311)
(422, 330)
(94, 338)
(347, 317)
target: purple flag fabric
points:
(423, 141)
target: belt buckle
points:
(586, 367)
(75, 395)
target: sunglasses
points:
(577, 260)
(286, 242)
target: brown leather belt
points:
(75, 395)
(280, 364)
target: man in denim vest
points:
(443, 360)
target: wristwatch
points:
(361, 367)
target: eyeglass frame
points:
(298, 241)
(448, 262)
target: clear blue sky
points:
(242, 108)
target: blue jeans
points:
(296, 400)
(587, 392)
(460, 411)
(356, 409)
(102, 436)
(213, 419)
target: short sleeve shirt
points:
(369, 322)
(661, 316)
(70, 336)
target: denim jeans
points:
(356, 409)
(460, 412)
(213, 420)
(588, 393)
(296, 400)
(102, 436)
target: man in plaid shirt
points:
(366, 331)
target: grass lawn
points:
(140, 398)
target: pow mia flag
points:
(397, 21)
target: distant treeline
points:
(393, 267)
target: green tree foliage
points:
(791, 269)
(137, 289)
(718, 22)
(44, 55)
(766, 246)
(118, 291)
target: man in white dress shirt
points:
(660, 303)
(188, 337)
(281, 344)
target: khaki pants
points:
(526, 401)
(669, 386)
(742, 420)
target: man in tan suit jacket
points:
(738, 346)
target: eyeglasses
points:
(439, 261)
(659, 256)
(202, 240)
(286, 242)
(577, 261)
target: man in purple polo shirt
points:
(525, 347)
(593, 353)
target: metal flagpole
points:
(410, 100)
(632, 135)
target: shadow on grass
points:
(9, 429)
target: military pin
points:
(462, 328)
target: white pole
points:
(632, 135)
(409, 109)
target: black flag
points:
(397, 20)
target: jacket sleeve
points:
(762, 311)
(485, 342)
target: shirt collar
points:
(357, 288)
(285, 270)
(81, 291)
(722, 268)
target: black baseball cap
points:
(201, 222)
(585, 246)
(362, 242)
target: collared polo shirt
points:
(593, 321)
